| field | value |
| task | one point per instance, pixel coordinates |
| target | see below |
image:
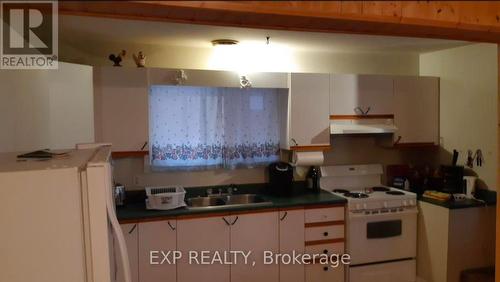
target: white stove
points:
(376, 199)
(361, 186)
(381, 223)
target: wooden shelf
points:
(129, 154)
(344, 117)
(310, 148)
(428, 145)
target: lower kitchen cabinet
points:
(324, 273)
(130, 232)
(311, 230)
(203, 234)
(257, 232)
(453, 240)
(159, 236)
(291, 238)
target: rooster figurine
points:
(140, 59)
(117, 59)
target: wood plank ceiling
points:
(461, 20)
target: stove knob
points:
(365, 206)
(385, 205)
(358, 207)
(405, 203)
(412, 202)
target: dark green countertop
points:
(137, 211)
(485, 198)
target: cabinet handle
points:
(170, 225)
(361, 111)
(294, 142)
(132, 229)
(235, 220)
(325, 234)
(225, 220)
(144, 146)
(398, 140)
(284, 216)
(325, 268)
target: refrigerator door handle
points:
(118, 232)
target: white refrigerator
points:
(58, 220)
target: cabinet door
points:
(309, 111)
(324, 273)
(417, 109)
(46, 108)
(202, 234)
(291, 238)
(121, 107)
(256, 233)
(352, 94)
(130, 232)
(157, 236)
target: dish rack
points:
(165, 198)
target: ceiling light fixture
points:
(217, 42)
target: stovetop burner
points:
(380, 189)
(397, 193)
(342, 191)
(355, 195)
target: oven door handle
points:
(363, 215)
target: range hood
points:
(362, 126)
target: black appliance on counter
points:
(312, 179)
(452, 179)
(280, 179)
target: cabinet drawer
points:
(324, 273)
(324, 214)
(324, 232)
(335, 248)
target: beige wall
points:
(200, 58)
(468, 103)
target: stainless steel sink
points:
(226, 201)
(244, 199)
(205, 202)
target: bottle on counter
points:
(312, 179)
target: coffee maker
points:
(280, 179)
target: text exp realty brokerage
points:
(243, 257)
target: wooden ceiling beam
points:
(460, 20)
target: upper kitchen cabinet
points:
(121, 107)
(361, 95)
(212, 78)
(46, 108)
(416, 112)
(307, 111)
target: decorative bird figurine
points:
(117, 59)
(140, 59)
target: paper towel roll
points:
(307, 158)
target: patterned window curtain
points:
(203, 127)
